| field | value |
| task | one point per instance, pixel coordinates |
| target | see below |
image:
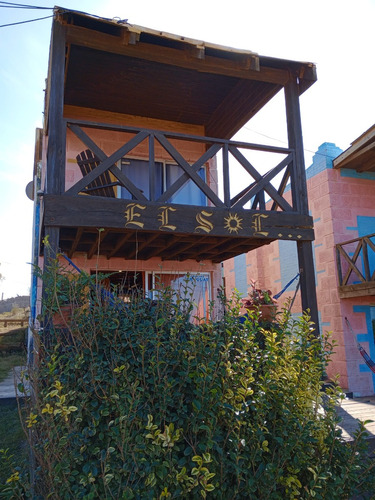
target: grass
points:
(12, 351)
(12, 438)
(14, 337)
(8, 362)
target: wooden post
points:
(55, 172)
(56, 151)
(300, 200)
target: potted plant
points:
(260, 300)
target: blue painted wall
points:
(240, 274)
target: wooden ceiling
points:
(136, 71)
(130, 244)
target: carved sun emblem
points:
(233, 223)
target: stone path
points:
(355, 409)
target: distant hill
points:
(21, 301)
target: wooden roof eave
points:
(186, 53)
(232, 61)
(360, 156)
(185, 58)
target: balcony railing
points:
(269, 186)
(356, 267)
(240, 209)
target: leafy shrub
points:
(134, 401)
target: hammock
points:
(369, 362)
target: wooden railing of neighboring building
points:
(355, 267)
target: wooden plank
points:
(75, 242)
(119, 244)
(188, 170)
(283, 185)
(262, 181)
(351, 262)
(357, 290)
(108, 163)
(81, 134)
(354, 240)
(365, 260)
(226, 177)
(355, 159)
(141, 246)
(12, 321)
(338, 265)
(184, 177)
(361, 142)
(87, 211)
(152, 169)
(178, 135)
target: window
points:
(194, 286)
(123, 284)
(165, 175)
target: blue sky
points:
(337, 35)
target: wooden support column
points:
(56, 129)
(300, 200)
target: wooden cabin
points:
(137, 170)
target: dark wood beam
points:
(95, 247)
(108, 163)
(262, 182)
(300, 202)
(77, 239)
(193, 175)
(55, 178)
(141, 246)
(96, 211)
(358, 290)
(120, 244)
(55, 174)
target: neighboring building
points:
(125, 175)
(341, 189)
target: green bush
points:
(134, 401)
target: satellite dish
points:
(30, 190)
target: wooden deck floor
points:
(352, 410)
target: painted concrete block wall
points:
(342, 206)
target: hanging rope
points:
(369, 362)
(278, 295)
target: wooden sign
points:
(85, 211)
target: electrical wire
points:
(284, 142)
(24, 22)
(11, 5)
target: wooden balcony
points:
(356, 267)
(136, 225)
